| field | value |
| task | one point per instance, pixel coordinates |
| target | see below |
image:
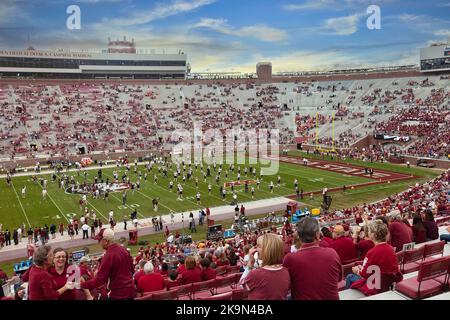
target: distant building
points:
(435, 58)
(264, 70)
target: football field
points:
(59, 205)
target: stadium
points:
(208, 185)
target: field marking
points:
(121, 201)
(48, 193)
(20, 202)
(88, 202)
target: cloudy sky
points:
(233, 35)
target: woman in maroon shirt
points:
(41, 285)
(260, 282)
(207, 273)
(431, 226)
(419, 230)
(192, 273)
(60, 274)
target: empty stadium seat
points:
(412, 259)
(425, 284)
(208, 285)
(433, 249)
(222, 296)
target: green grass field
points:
(59, 206)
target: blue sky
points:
(233, 35)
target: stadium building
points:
(119, 61)
(435, 58)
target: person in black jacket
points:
(15, 237)
(7, 237)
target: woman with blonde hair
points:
(260, 282)
(381, 257)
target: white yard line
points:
(20, 202)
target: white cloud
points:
(258, 31)
(342, 25)
(309, 5)
(442, 33)
(97, 1)
(159, 12)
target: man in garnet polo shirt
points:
(314, 271)
(116, 269)
(343, 245)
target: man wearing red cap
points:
(116, 269)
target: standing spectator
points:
(150, 281)
(59, 273)
(85, 227)
(381, 255)
(53, 231)
(41, 285)
(311, 259)
(259, 282)
(15, 237)
(431, 226)
(7, 237)
(116, 269)
(61, 229)
(30, 235)
(399, 232)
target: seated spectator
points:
(399, 232)
(431, 226)
(362, 242)
(223, 260)
(445, 237)
(172, 280)
(164, 269)
(381, 255)
(419, 231)
(343, 245)
(327, 235)
(311, 259)
(150, 281)
(192, 273)
(207, 272)
(259, 282)
(140, 272)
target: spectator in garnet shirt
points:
(431, 226)
(150, 281)
(192, 273)
(381, 255)
(41, 285)
(314, 271)
(399, 232)
(419, 231)
(116, 269)
(59, 273)
(138, 274)
(362, 242)
(207, 272)
(327, 236)
(343, 245)
(260, 282)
